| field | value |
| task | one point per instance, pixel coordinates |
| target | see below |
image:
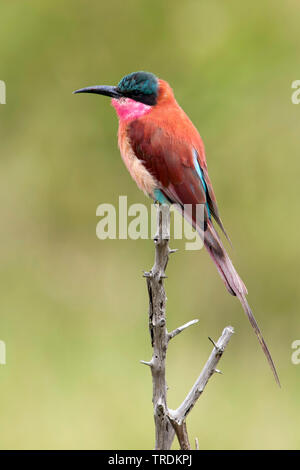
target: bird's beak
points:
(101, 90)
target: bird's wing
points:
(172, 162)
(177, 167)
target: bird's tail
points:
(234, 284)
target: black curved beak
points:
(101, 90)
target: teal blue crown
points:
(139, 82)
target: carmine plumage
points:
(165, 155)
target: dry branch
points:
(170, 422)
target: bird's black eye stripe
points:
(150, 100)
(136, 93)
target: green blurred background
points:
(74, 308)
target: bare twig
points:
(146, 363)
(168, 422)
(181, 328)
(183, 410)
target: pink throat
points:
(128, 109)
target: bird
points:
(165, 155)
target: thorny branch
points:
(170, 422)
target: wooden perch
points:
(170, 422)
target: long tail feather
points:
(259, 335)
(234, 285)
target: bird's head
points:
(134, 95)
(138, 86)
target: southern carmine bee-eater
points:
(165, 155)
